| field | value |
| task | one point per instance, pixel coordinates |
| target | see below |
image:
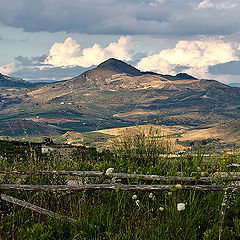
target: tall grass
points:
(174, 214)
(144, 146)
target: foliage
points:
(122, 214)
(142, 145)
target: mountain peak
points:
(185, 76)
(119, 66)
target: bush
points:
(142, 145)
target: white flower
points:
(114, 180)
(109, 170)
(155, 176)
(161, 209)
(181, 206)
(178, 186)
(134, 197)
(151, 195)
(223, 204)
(169, 193)
(137, 202)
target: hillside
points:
(6, 81)
(225, 133)
(27, 128)
(115, 94)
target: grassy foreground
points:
(173, 214)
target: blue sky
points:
(58, 39)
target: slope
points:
(6, 81)
(115, 94)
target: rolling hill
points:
(115, 94)
(6, 81)
(228, 132)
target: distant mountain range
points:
(114, 94)
(234, 84)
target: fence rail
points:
(33, 207)
(232, 184)
(123, 187)
(235, 176)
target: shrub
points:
(142, 145)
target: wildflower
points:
(169, 193)
(137, 202)
(155, 176)
(223, 204)
(115, 180)
(134, 197)
(109, 170)
(151, 195)
(181, 206)
(178, 186)
(161, 209)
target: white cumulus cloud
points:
(206, 4)
(8, 68)
(70, 53)
(194, 56)
(218, 5)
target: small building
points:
(62, 149)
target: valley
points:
(117, 95)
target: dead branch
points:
(33, 207)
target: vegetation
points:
(114, 94)
(169, 214)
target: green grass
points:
(120, 214)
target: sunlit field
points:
(200, 198)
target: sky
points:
(59, 39)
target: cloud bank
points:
(124, 17)
(193, 57)
(8, 68)
(218, 5)
(67, 59)
(205, 58)
(70, 53)
(48, 73)
(229, 68)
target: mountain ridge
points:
(112, 66)
(115, 94)
(6, 81)
(119, 66)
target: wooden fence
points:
(229, 183)
(234, 176)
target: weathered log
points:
(116, 187)
(125, 175)
(61, 172)
(33, 207)
(171, 178)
